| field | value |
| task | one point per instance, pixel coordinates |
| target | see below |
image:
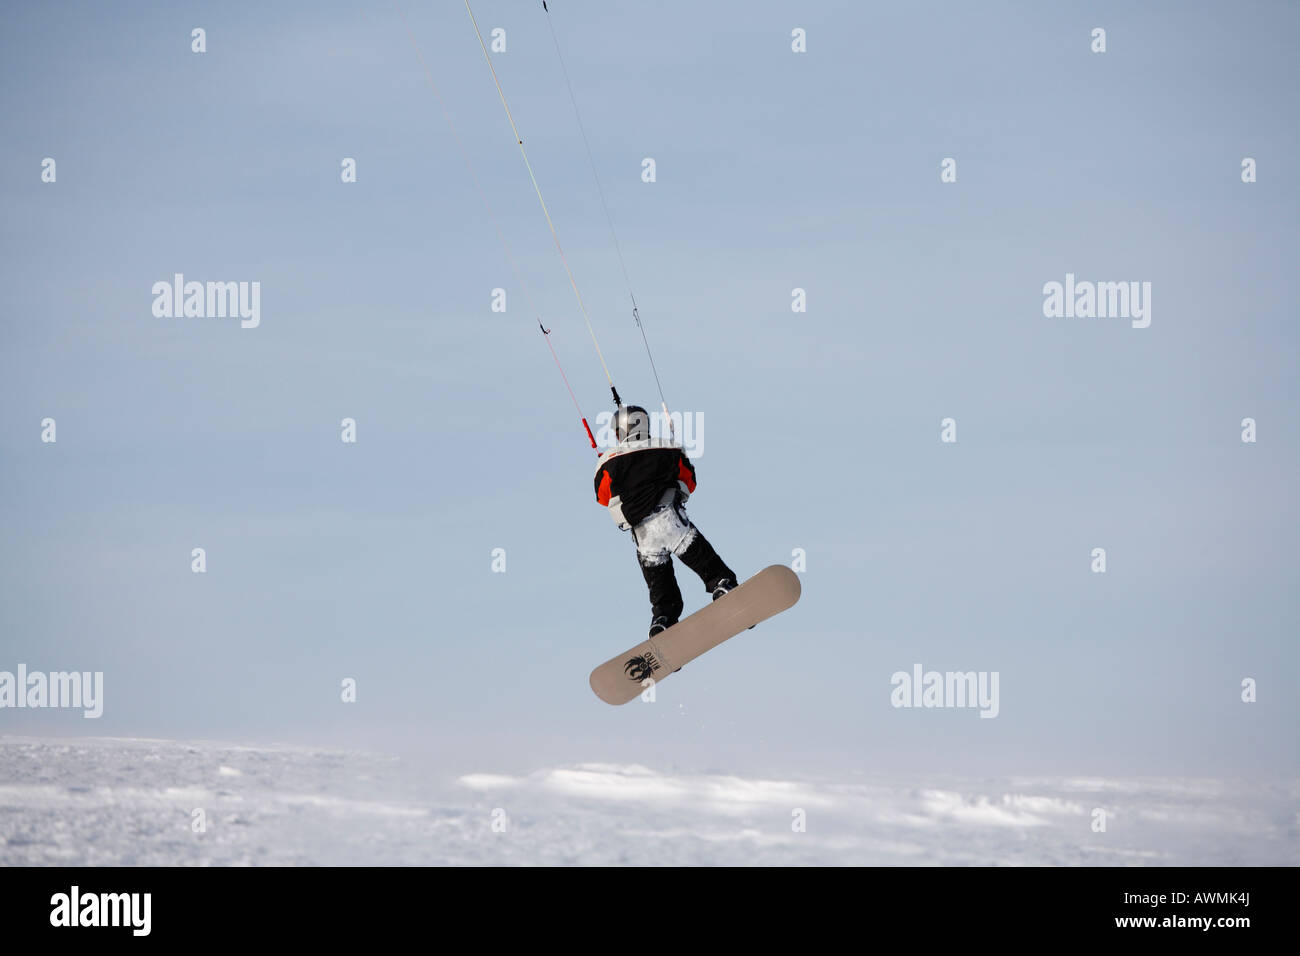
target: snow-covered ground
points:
(133, 802)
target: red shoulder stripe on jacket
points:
(686, 473)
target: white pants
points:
(664, 531)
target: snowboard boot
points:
(722, 587)
(659, 625)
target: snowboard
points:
(622, 678)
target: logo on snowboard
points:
(641, 666)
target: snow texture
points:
(131, 802)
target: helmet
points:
(631, 423)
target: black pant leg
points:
(704, 561)
(665, 595)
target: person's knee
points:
(689, 538)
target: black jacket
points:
(632, 478)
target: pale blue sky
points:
(775, 170)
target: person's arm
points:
(608, 498)
(685, 476)
(604, 487)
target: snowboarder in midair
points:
(645, 484)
